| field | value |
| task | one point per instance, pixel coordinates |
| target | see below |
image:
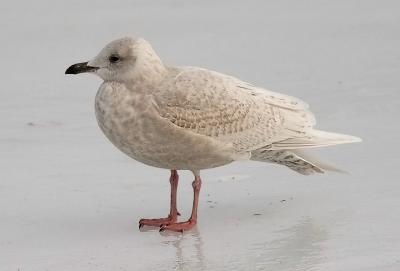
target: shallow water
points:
(70, 201)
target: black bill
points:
(80, 68)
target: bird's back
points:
(259, 124)
(229, 110)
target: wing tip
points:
(356, 139)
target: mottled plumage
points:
(192, 118)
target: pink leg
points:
(187, 225)
(173, 213)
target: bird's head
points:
(122, 60)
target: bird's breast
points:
(126, 120)
(132, 123)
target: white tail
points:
(317, 162)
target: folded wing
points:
(235, 112)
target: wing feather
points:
(230, 110)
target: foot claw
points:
(156, 222)
(178, 227)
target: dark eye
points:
(114, 58)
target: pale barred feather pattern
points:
(193, 118)
(287, 158)
(230, 110)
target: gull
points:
(190, 118)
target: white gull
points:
(189, 118)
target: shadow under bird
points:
(189, 118)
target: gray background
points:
(70, 201)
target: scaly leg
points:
(173, 213)
(187, 225)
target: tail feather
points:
(318, 163)
(287, 158)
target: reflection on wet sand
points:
(298, 247)
(189, 251)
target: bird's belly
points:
(159, 149)
(141, 134)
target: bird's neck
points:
(149, 71)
